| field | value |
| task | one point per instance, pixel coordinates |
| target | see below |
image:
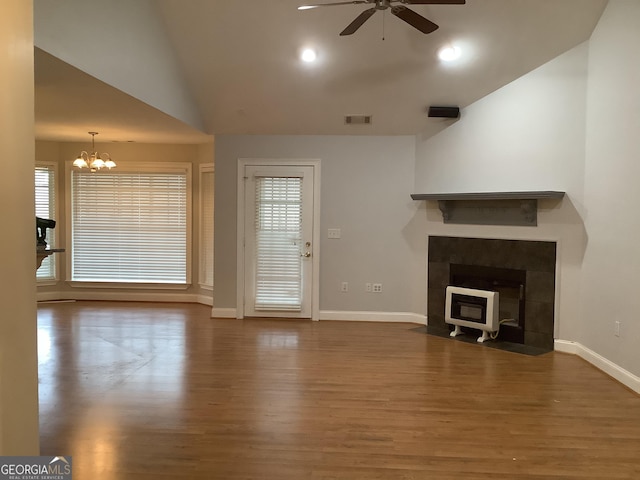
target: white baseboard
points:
(204, 300)
(135, 297)
(391, 317)
(50, 297)
(223, 312)
(111, 296)
(607, 366)
(348, 316)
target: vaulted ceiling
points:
(240, 59)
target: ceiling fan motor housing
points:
(405, 14)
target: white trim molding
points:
(390, 317)
(204, 300)
(160, 297)
(625, 377)
(111, 296)
(223, 313)
(51, 297)
(346, 316)
(205, 230)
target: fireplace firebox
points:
(509, 283)
(521, 272)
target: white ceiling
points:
(69, 103)
(240, 59)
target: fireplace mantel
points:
(533, 195)
(490, 208)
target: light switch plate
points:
(334, 233)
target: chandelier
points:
(94, 161)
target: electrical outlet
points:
(344, 287)
(616, 329)
(377, 288)
(368, 287)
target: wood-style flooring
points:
(162, 391)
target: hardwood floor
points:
(153, 391)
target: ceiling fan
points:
(401, 11)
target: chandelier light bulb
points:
(108, 163)
(80, 162)
(97, 163)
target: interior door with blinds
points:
(278, 241)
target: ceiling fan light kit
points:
(404, 13)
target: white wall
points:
(365, 188)
(612, 196)
(18, 352)
(529, 135)
(122, 43)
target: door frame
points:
(240, 222)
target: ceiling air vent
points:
(357, 119)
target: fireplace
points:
(522, 272)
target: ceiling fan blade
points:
(433, 2)
(414, 19)
(316, 5)
(357, 23)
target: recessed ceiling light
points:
(308, 55)
(449, 53)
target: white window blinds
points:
(45, 192)
(206, 225)
(278, 237)
(130, 226)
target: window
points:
(131, 225)
(206, 225)
(45, 191)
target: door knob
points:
(306, 254)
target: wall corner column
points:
(18, 329)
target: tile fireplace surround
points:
(537, 258)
